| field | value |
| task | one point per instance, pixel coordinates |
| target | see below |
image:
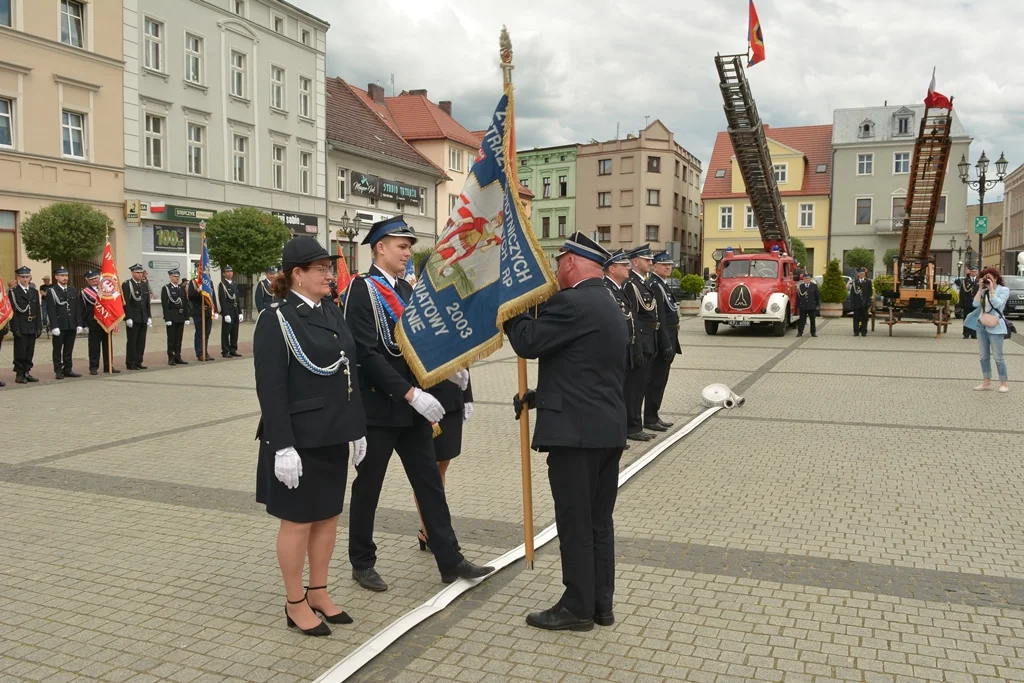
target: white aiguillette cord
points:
(382, 639)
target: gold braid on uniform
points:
(640, 299)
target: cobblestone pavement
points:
(859, 519)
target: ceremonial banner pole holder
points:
(110, 353)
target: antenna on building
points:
(647, 120)
(392, 85)
(616, 130)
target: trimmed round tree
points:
(833, 288)
(65, 232)
(692, 284)
(800, 254)
(246, 238)
(859, 257)
(889, 258)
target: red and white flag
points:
(109, 310)
(936, 100)
(6, 310)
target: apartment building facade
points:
(550, 174)
(643, 189)
(224, 107)
(61, 117)
(1013, 221)
(872, 151)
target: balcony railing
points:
(888, 226)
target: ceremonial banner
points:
(936, 100)
(755, 40)
(203, 279)
(109, 310)
(6, 310)
(343, 275)
(485, 268)
(410, 269)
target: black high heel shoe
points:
(339, 618)
(320, 629)
(421, 536)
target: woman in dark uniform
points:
(311, 408)
(456, 397)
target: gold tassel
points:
(436, 428)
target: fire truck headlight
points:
(708, 306)
(776, 307)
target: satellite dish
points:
(719, 395)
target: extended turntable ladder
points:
(750, 145)
(927, 173)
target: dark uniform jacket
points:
(808, 298)
(264, 295)
(860, 293)
(195, 298)
(580, 338)
(27, 319)
(227, 299)
(136, 301)
(384, 376)
(451, 397)
(968, 289)
(668, 315)
(645, 312)
(63, 310)
(174, 301)
(88, 297)
(633, 347)
(300, 408)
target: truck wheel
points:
(779, 329)
(711, 327)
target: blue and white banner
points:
(485, 268)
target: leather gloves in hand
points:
(288, 467)
(528, 400)
(358, 451)
(426, 405)
(467, 411)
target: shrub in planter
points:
(833, 288)
(692, 284)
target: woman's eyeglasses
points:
(323, 270)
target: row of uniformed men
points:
(71, 312)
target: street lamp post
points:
(351, 233)
(959, 254)
(982, 183)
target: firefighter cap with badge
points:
(390, 227)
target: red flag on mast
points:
(935, 100)
(6, 310)
(109, 310)
(755, 41)
(343, 275)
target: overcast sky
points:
(583, 66)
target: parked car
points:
(1015, 304)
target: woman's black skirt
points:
(448, 443)
(321, 491)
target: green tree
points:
(246, 238)
(889, 258)
(65, 232)
(833, 288)
(692, 284)
(859, 257)
(419, 259)
(800, 254)
(677, 274)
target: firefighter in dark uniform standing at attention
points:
(668, 342)
(26, 325)
(174, 302)
(98, 338)
(579, 338)
(264, 290)
(860, 300)
(968, 289)
(616, 272)
(231, 313)
(137, 317)
(808, 300)
(398, 413)
(645, 312)
(64, 314)
(196, 305)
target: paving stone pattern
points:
(859, 519)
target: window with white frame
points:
(455, 159)
(73, 133)
(653, 197)
(306, 36)
(725, 218)
(903, 125)
(72, 23)
(749, 223)
(781, 173)
(193, 58)
(278, 24)
(901, 162)
(342, 187)
(864, 211)
(6, 122)
(278, 170)
(276, 87)
(5, 13)
(305, 161)
(423, 201)
(196, 136)
(652, 233)
(239, 6)
(865, 164)
(453, 201)
(305, 97)
(155, 126)
(240, 158)
(807, 215)
(153, 45)
(237, 74)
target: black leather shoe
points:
(814, 335)
(466, 570)
(339, 618)
(655, 427)
(58, 376)
(115, 371)
(180, 361)
(558, 618)
(2, 384)
(30, 378)
(606, 619)
(666, 425)
(18, 379)
(235, 354)
(94, 372)
(638, 436)
(129, 367)
(71, 373)
(140, 366)
(369, 579)
(320, 629)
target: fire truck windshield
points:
(767, 269)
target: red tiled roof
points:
(814, 141)
(420, 119)
(352, 120)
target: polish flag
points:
(936, 100)
(157, 207)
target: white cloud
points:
(582, 66)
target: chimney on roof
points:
(376, 93)
(445, 106)
(421, 91)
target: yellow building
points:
(802, 160)
(61, 118)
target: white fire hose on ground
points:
(720, 396)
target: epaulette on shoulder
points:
(275, 304)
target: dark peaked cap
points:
(617, 256)
(391, 227)
(581, 245)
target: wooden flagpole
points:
(505, 53)
(110, 352)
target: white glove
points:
(188, 322)
(128, 322)
(215, 316)
(55, 331)
(358, 451)
(461, 378)
(168, 323)
(467, 411)
(288, 467)
(149, 323)
(227, 319)
(240, 316)
(426, 405)
(79, 330)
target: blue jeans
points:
(991, 346)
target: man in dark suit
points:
(616, 272)
(174, 302)
(645, 313)
(860, 301)
(65, 318)
(968, 289)
(137, 317)
(26, 325)
(263, 293)
(668, 342)
(231, 313)
(808, 300)
(399, 414)
(580, 338)
(203, 314)
(99, 340)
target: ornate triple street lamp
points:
(981, 184)
(350, 228)
(959, 254)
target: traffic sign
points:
(981, 225)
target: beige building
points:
(639, 190)
(61, 117)
(994, 212)
(1013, 221)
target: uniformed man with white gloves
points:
(65, 319)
